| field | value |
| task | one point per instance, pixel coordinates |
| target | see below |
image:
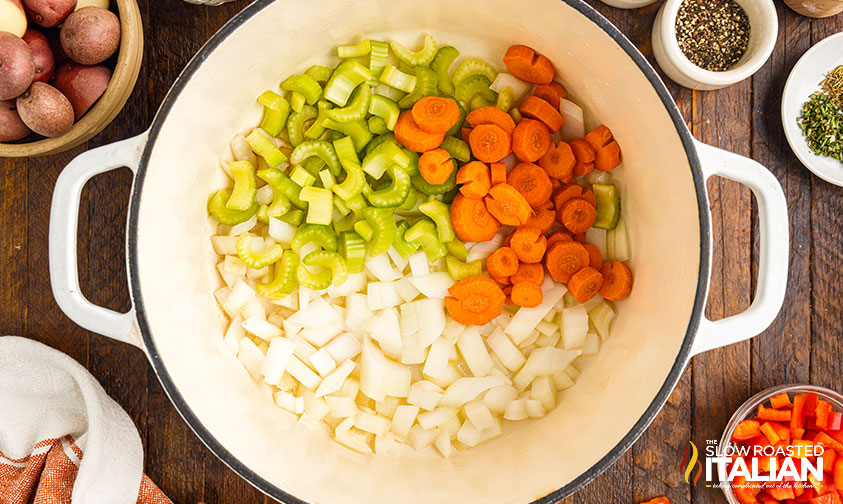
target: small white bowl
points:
(805, 79)
(628, 4)
(764, 27)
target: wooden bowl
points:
(123, 79)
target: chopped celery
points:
(322, 149)
(293, 217)
(356, 203)
(302, 177)
(424, 233)
(357, 130)
(516, 114)
(357, 50)
(313, 165)
(382, 157)
(425, 86)
(377, 56)
(295, 124)
(395, 193)
(347, 76)
(457, 249)
(364, 230)
(479, 102)
(352, 247)
(388, 92)
(320, 205)
(440, 213)
(474, 66)
(225, 216)
(341, 207)
(455, 129)
(397, 79)
(275, 112)
(304, 84)
(384, 229)
(319, 73)
(422, 57)
(505, 99)
(353, 184)
(264, 148)
(386, 109)
(378, 140)
(322, 235)
(472, 86)
(310, 280)
(282, 183)
(401, 245)
(608, 206)
(245, 186)
(449, 196)
(280, 204)
(297, 101)
(333, 264)
(410, 201)
(327, 179)
(344, 224)
(412, 168)
(460, 270)
(317, 129)
(257, 259)
(426, 187)
(284, 279)
(441, 64)
(346, 154)
(356, 109)
(377, 125)
(457, 148)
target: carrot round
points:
(508, 240)
(507, 205)
(436, 166)
(595, 257)
(585, 283)
(507, 291)
(526, 294)
(498, 173)
(530, 140)
(475, 300)
(599, 137)
(475, 179)
(577, 215)
(491, 115)
(543, 219)
(608, 157)
(465, 133)
(585, 155)
(532, 182)
(530, 273)
(502, 281)
(408, 134)
(471, 221)
(579, 237)
(617, 281)
(569, 191)
(501, 263)
(559, 236)
(536, 108)
(529, 66)
(529, 244)
(564, 259)
(434, 114)
(489, 143)
(559, 162)
(551, 93)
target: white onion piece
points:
(382, 295)
(497, 398)
(468, 434)
(251, 357)
(241, 150)
(368, 422)
(287, 401)
(233, 334)
(534, 408)
(418, 264)
(443, 444)
(303, 374)
(506, 351)
(479, 414)
(387, 332)
(281, 231)
(403, 419)
(433, 285)
(243, 227)
(524, 322)
(591, 345)
(425, 395)
(322, 362)
(435, 418)
(574, 126)
(318, 313)
(516, 410)
(381, 268)
(598, 177)
(380, 376)
(241, 295)
(341, 407)
(406, 289)
(264, 195)
(505, 80)
(597, 237)
(343, 347)
(431, 320)
(277, 356)
(601, 316)
(355, 282)
(356, 311)
(436, 364)
(574, 327)
(224, 245)
(467, 389)
(474, 352)
(420, 438)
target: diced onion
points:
(573, 126)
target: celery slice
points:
(410, 201)
(310, 280)
(302, 177)
(474, 66)
(383, 226)
(441, 65)
(377, 125)
(460, 270)
(357, 50)
(357, 130)
(402, 246)
(320, 205)
(425, 235)
(352, 247)
(472, 86)
(386, 109)
(280, 204)
(317, 128)
(479, 101)
(425, 86)
(264, 148)
(320, 73)
(505, 99)
(293, 217)
(346, 154)
(245, 186)
(440, 213)
(322, 149)
(347, 76)
(332, 262)
(257, 259)
(457, 148)
(284, 279)
(516, 114)
(356, 203)
(304, 84)
(426, 187)
(364, 230)
(320, 234)
(313, 165)
(457, 249)
(377, 56)
(608, 206)
(455, 129)
(354, 179)
(327, 180)
(218, 210)
(356, 109)
(412, 168)
(282, 183)
(392, 195)
(275, 113)
(421, 57)
(382, 157)
(397, 79)
(297, 101)
(295, 125)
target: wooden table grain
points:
(803, 344)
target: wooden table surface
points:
(802, 345)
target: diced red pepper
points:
(829, 457)
(773, 415)
(837, 435)
(823, 410)
(746, 491)
(657, 500)
(767, 499)
(797, 418)
(802, 447)
(828, 441)
(820, 486)
(780, 490)
(835, 421)
(770, 433)
(810, 407)
(780, 401)
(837, 473)
(797, 433)
(828, 498)
(782, 431)
(746, 429)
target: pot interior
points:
(173, 264)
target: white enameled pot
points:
(172, 275)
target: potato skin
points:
(13, 17)
(90, 35)
(17, 66)
(45, 63)
(45, 110)
(48, 13)
(11, 126)
(82, 84)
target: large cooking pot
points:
(176, 322)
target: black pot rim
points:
(604, 463)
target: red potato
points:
(82, 85)
(11, 126)
(12, 17)
(17, 66)
(45, 110)
(48, 13)
(90, 35)
(45, 64)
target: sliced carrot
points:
(526, 294)
(507, 205)
(579, 237)
(498, 173)
(501, 263)
(551, 93)
(608, 157)
(475, 300)
(491, 115)
(564, 259)
(585, 155)
(490, 143)
(471, 220)
(435, 114)
(536, 108)
(577, 215)
(529, 244)
(569, 191)
(508, 240)
(436, 166)
(543, 219)
(595, 257)
(408, 134)
(599, 137)
(502, 281)
(585, 283)
(617, 281)
(530, 273)
(559, 162)
(465, 133)
(559, 236)
(547, 205)
(556, 182)
(531, 140)
(475, 179)
(529, 66)
(507, 292)
(532, 182)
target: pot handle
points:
(64, 216)
(773, 255)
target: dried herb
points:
(713, 34)
(833, 86)
(821, 121)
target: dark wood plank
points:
(14, 234)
